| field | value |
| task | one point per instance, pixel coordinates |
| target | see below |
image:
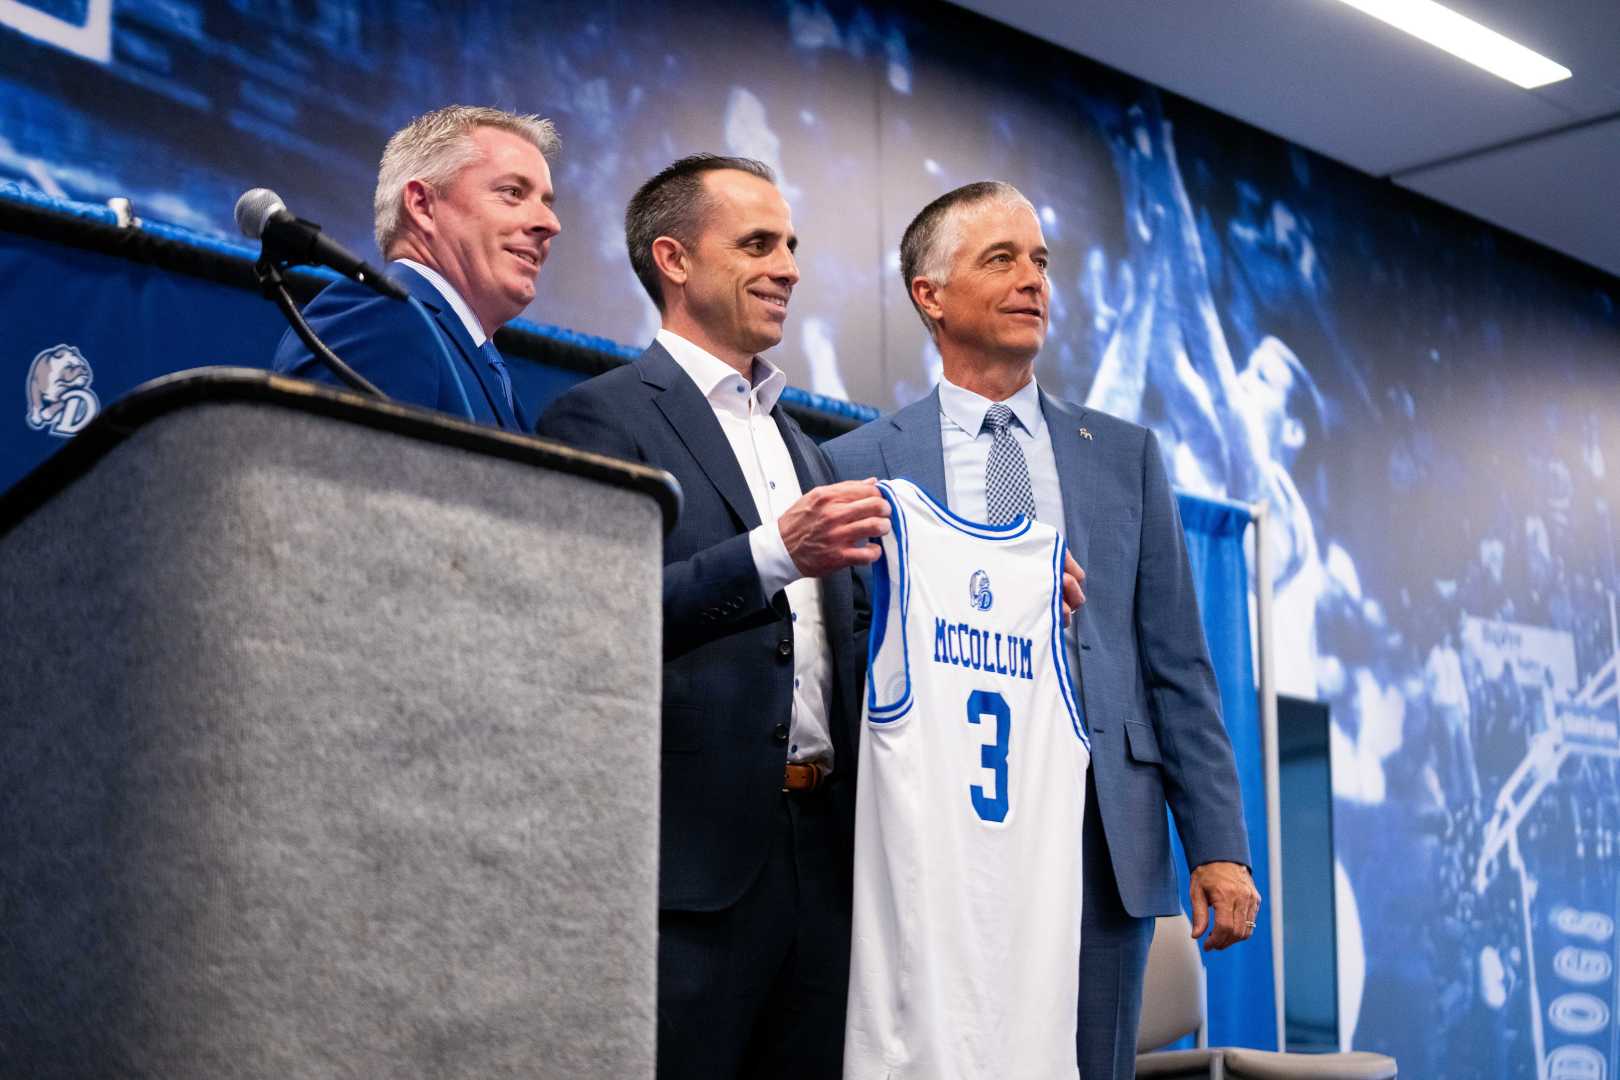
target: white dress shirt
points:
(453, 298)
(967, 451)
(744, 412)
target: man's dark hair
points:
(674, 204)
(930, 242)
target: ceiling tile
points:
(1324, 76)
(1315, 72)
(1559, 191)
(1583, 35)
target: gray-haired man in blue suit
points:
(463, 212)
(975, 264)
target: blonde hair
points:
(436, 146)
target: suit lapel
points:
(479, 365)
(913, 448)
(494, 396)
(524, 424)
(1076, 470)
(472, 361)
(692, 418)
(808, 470)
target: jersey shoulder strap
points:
(888, 663)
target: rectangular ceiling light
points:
(1464, 38)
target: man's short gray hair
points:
(436, 146)
(930, 242)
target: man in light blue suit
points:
(464, 213)
(991, 444)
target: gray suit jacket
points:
(1149, 692)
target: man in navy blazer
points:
(463, 213)
(975, 264)
(761, 677)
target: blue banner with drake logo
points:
(83, 328)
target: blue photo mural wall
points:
(1426, 407)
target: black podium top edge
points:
(211, 385)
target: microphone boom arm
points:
(274, 286)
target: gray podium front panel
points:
(327, 752)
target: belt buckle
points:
(817, 773)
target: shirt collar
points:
(718, 381)
(966, 409)
(453, 298)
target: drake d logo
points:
(979, 591)
(59, 396)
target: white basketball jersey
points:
(969, 807)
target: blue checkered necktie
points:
(1007, 494)
(493, 356)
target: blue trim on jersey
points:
(882, 589)
(1010, 531)
(1060, 652)
(880, 608)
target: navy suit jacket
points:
(728, 648)
(431, 362)
(1146, 682)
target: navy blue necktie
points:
(1007, 491)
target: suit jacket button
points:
(784, 647)
(779, 735)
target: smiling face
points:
(994, 304)
(489, 230)
(735, 279)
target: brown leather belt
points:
(803, 777)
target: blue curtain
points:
(1242, 999)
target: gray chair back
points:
(1173, 991)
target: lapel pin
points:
(1084, 434)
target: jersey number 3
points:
(990, 801)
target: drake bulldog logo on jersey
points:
(59, 395)
(979, 591)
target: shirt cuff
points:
(771, 559)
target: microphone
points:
(262, 216)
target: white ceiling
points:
(1542, 163)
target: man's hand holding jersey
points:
(828, 528)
